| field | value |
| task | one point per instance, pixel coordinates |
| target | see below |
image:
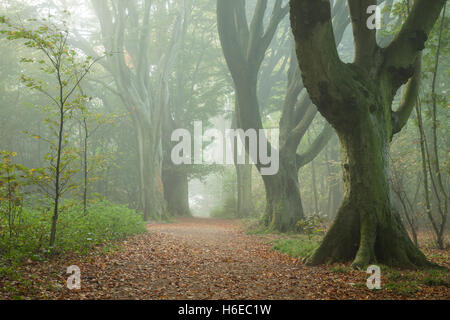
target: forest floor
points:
(196, 258)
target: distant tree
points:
(146, 39)
(245, 45)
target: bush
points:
(75, 232)
(310, 225)
(228, 211)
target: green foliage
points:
(77, 233)
(226, 184)
(11, 190)
(67, 69)
(255, 226)
(313, 224)
(408, 283)
(227, 211)
(296, 247)
(104, 222)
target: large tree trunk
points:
(283, 202)
(176, 190)
(151, 188)
(356, 98)
(367, 229)
(174, 178)
(244, 187)
(244, 205)
(155, 206)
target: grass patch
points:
(430, 281)
(293, 244)
(428, 277)
(257, 227)
(407, 283)
(300, 247)
(404, 289)
(341, 269)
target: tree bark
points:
(152, 190)
(244, 187)
(357, 100)
(176, 190)
(283, 202)
(366, 228)
(144, 96)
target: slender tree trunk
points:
(334, 193)
(434, 165)
(314, 185)
(57, 174)
(409, 218)
(58, 159)
(426, 165)
(85, 166)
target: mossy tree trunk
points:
(283, 202)
(366, 228)
(357, 100)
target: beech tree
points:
(141, 78)
(196, 85)
(245, 45)
(356, 99)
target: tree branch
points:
(324, 74)
(278, 14)
(401, 53)
(401, 116)
(364, 38)
(256, 29)
(316, 147)
(229, 35)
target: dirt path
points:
(200, 259)
(197, 259)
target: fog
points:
(117, 115)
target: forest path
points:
(197, 258)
